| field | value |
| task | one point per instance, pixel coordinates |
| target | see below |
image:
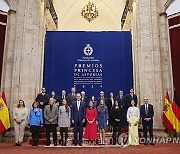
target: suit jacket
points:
(129, 98)
(60, 98)
(78, 115)
(42, 98)
(122, 102)
(35, 119)
(149, 114)
(51, 114)
(85, 100)
(109, 104)
(71, 99)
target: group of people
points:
(77, 111)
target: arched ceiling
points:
(4, 5)
(69, 14)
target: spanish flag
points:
(169, 118)
(4, 114)
(176, 106)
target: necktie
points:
(78, 104)
(146, 107)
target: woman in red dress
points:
(91, 126)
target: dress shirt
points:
(78, 105)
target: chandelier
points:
(89, 12)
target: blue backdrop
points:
(90, 61)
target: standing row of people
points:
(123, 101)
(96, 114)
(43, 98)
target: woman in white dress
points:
(133, 115)
(20, 115)
(64, 121)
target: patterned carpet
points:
(8, 148)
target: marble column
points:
(24, 52)
(149, 56)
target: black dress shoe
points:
(146, 143)
(152, 144)
(17, 144)
(75, 144)
(80, 144)
(55, 144)
(47, 144)
(36, 144)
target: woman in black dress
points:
(116, 114)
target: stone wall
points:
(151, 54)
(24, 51)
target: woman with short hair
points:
(35, 122)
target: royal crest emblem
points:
(88, 50)
(1, 106)
(166, 107)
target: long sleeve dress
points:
(91, 129)
(64, 117)
(102, 117)
(133, 115)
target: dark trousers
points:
(35, 134)
(78, 128)
(35, 137)
(64, 132)
(116, 131)
(148, 125)
(51, 128)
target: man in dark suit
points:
(131, 96)
(42, 98)
(147, 113)
(72, 96)
(78, 118)
(62, 97)
(110, 106)
(121, 99)
(123, 105)
(84, 98)
(101, 97)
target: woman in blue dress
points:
(102, 119)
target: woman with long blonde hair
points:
(102, 119)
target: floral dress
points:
(102, 117)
